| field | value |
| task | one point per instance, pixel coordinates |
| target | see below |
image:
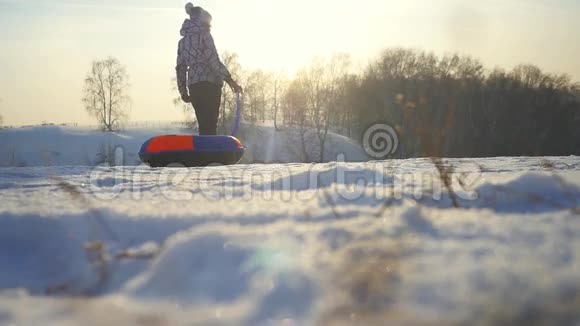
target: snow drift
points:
(67, 146)
(307, 244)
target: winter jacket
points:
(197, 56)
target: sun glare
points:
(277, 36)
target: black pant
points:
(206, 98)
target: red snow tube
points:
(191, 151)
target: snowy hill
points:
(292, 244)
(67, 146)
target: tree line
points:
(439, 106)
(444, 106)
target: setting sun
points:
(47, 46)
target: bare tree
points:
(294, 109)
(228, 102)
(105, 93)
(335, 80)
(280, 86)
(323, 85)
(315, 86)
(256, 95)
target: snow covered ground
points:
(292, 244)
(58, 146)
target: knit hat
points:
(190, 8)
(204, 16)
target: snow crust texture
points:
(292, 244)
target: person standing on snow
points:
(200, 72)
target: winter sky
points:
(47, 45)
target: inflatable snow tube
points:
(191, 151)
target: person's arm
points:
(181, 72)
(216, 64)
